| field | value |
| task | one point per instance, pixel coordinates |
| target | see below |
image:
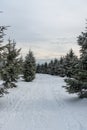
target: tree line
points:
(61, 67)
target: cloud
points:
(48, 50)
(49, 27)
(38, 19)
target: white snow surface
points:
(42, 105)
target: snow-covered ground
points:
(42, 105)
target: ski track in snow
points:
(42, 105)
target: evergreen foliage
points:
(79, 82)
(10, 66)
(70, 63)
(61, 67)
(21, 64)
(2, 29)
(29, 70)
(61, 70)
(38, 68)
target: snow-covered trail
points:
(42, 105)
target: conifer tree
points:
(38, 68)
(78, 84)
(51, 67)
(45, 68)
(29, 70)
(56, 66)
(70, 62)
(2, 29)
(10, 64)
(21, 64)
(61, 70)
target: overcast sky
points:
(47, 27)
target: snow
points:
(1, 84)
(42, 105)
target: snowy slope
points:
(42, 105)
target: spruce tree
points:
(70, 62)
(29, 70)
(78, 84)
(45, 68)
(56, 66)
(2, 47)
(21, 64)
(10, 67)
(38, 68)
(51, 67)
(61, 70)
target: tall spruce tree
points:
(2, 47)
(29, 70)
(78, 84)
(10, 67)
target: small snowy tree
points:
(29, 70)
(38, 68)
(70, 62)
